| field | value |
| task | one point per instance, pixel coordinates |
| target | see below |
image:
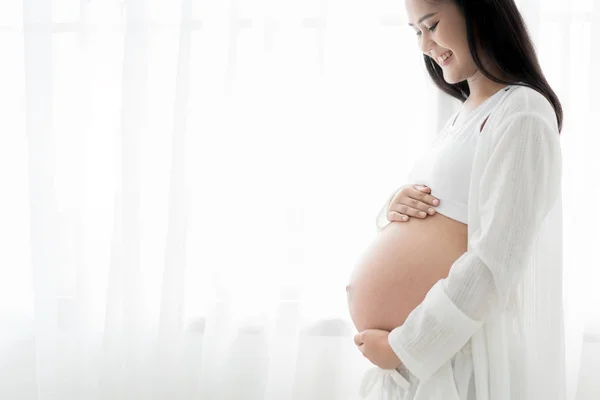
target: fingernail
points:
(405, 218)
(431, 211)
(436, 202)
(422, 214)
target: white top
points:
(446, 164)
(503, 296)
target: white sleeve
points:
(519, 184)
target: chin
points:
(452, 80)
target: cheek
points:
(457, 42)
(447, 39)
(459, 48)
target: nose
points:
(426, 44)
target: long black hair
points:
(498, 30)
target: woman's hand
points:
(412, 201)
(374, 345)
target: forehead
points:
(416, 9)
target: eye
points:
(433, 27)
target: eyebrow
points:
(424, 17)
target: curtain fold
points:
(188, 185)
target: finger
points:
(422, 188)
(421, 209)
(428, 199)
(362, 349)
(358, 340)
(410, 211)
(394, 216)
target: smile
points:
(445, 58)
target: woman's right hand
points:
(411, 201)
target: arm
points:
(518, 186)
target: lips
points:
(444, 58)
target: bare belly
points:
(399, 267)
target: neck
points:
(481, 87)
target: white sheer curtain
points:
(188, 184)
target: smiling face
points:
(441, 34)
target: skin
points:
(449, 33)
(444, 31)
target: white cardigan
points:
(504, 294)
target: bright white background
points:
(186, 186)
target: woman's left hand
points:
(374, 345)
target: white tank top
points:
(445, 166)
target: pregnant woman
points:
(464, 303)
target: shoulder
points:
(527, 103)
(523, 111)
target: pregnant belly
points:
(399, 267)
